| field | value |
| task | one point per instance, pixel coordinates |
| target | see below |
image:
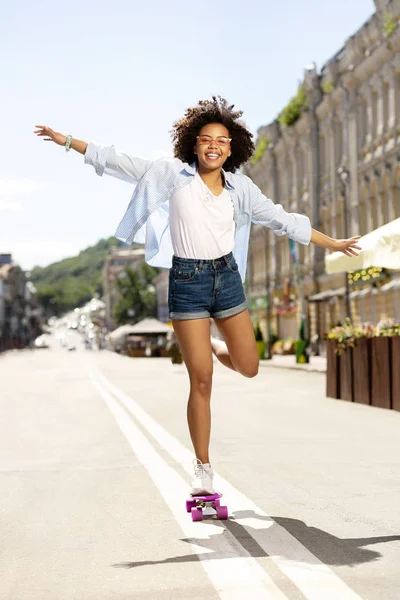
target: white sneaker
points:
(203, 481)
(217, 344)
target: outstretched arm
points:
(104, 159)
(295, 226)
(60, 139)
(349, 247)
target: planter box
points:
(332, 370)
(362, 372)
(261, 347)
(136, 353)
(381, 372)
(346, 375)
(396, 373)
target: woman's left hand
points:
(348, 247)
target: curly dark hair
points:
(217, 110)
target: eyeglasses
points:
(221, 140)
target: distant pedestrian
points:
(193, 213)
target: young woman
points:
(193, 213)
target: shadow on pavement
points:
(328, 548)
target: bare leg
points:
(194, 340)
(239, 353)
(220, 350)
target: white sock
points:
(219, 343)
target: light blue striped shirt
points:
(146, 220)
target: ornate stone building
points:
(19, 306)
(117, 260)
(339, 163)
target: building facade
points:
(117, 260)
(19, 307)
(339, 163)
(161, 283)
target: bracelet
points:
(68, 143)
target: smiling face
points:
(211, 154)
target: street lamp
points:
(344, 178)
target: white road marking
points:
(232, 581)
(313, 578)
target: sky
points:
(121, 73)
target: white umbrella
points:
(120, 332)
(380, 248)
(147, 326)
(150, 326)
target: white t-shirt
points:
(201, 224)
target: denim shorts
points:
(205, 288)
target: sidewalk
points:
(317, 364)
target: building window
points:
(397, 101)
(373, 214)
(338, 142)
(289, 177)
(363, 216)
(362, 123)
(396, 200)
(327, 225)
(300, 168)
(282, 183)
(385, 99)
(374, 115)
(322, 155)
(339, 218)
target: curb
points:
(294, 367)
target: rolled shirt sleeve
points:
(107, 160)
(264, 212)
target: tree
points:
(73, 281)
(137, 294)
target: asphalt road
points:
(95, 463)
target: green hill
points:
(72, 281)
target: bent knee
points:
(250, 370)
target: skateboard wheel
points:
(217, 502)
(190, 504)
(197, 514)
(222, 513)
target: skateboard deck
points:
(197, 504)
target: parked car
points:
(41, 342)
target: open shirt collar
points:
(192, 170)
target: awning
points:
(321, 296)
(380, 248)
(326, 295)
(150, 326)
(394, 284)
(147, 326)
(361, 293)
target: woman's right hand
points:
(49, 135)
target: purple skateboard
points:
(197, 503)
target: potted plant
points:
(301, 349)
(362, 361)
(173, 350)
(260, 342)
(339, 368)
(277, 347)
(176, 354)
